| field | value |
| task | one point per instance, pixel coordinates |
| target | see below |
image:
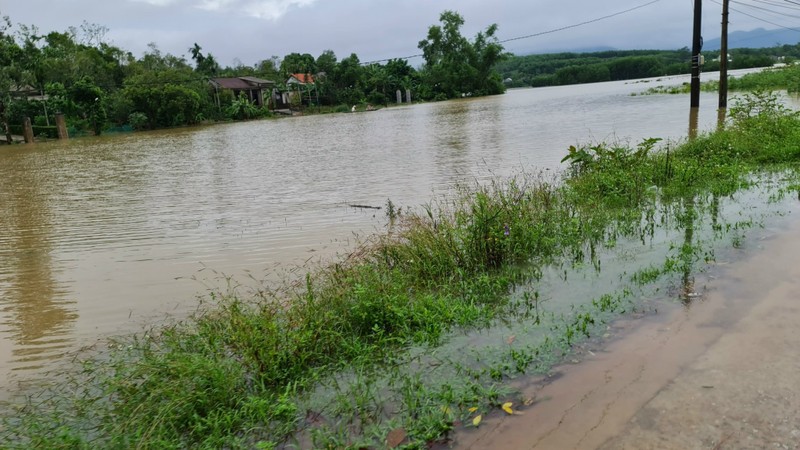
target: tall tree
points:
(297, 63)
(204, 64)
(456, 66)
(10, 54)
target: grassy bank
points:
(388, 346)
(777, 78)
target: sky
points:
(248, 31)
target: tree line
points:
(557, 69)
(99, 86)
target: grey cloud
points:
(252, 30)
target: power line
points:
(759, 18)
(539, 33)
(580, 24)
(777, 4)
(782, 14)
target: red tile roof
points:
(303, 78)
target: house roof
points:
(302, 78)
(241, 82)
(257, 81)
(232, 83)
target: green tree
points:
(326, 69)
(163, 99)
(348, 79)
(89, 102)
(204, 64)
(10, 72)
(242, 108)
(297, 63)
(456, 66)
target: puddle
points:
(720, 372)
(623, 338)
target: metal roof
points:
(255, 80)
(232, 83)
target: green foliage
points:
(77, 66)
(205, 64)
(138, 121)
(571, 68)
(242, 108)
(297, 63)
(454, 66)
(88, 100)
(787, 77)
(619, 175)
(165, 103)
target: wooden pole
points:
(697, 44)
(27, 131)
(723, 67)
(61, 125)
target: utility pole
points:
(723, 67)
(697, 44)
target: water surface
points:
(106, 235)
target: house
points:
(256, 89)
(300, 86)
(301, 79)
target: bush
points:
(242, 108)
(138, 121)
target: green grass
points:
(363, 333)
(778, 78)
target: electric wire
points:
(761, 8)
(541, 33)
(759, 18)
(777, 4)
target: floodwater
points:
(102, 236)
(720, 374)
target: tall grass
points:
(229, 377)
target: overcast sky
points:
(248, 31)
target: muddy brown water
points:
(104, 236)
(720, 373)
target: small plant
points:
(241, 108)
(138, 121)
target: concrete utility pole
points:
(697, 45)
(723, 67)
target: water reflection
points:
(37, 313)
(103, 235)
(451, 137)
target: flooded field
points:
(105, 236)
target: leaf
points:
(445, 409)
(507, 408)
(477, 420)
(473, 409)
(395, 437)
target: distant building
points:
(300, 86)
(255, 89)
(301, 78)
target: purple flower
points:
(506, 230)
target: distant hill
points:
(758, 38)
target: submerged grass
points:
(248, 373)
(776, 78)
